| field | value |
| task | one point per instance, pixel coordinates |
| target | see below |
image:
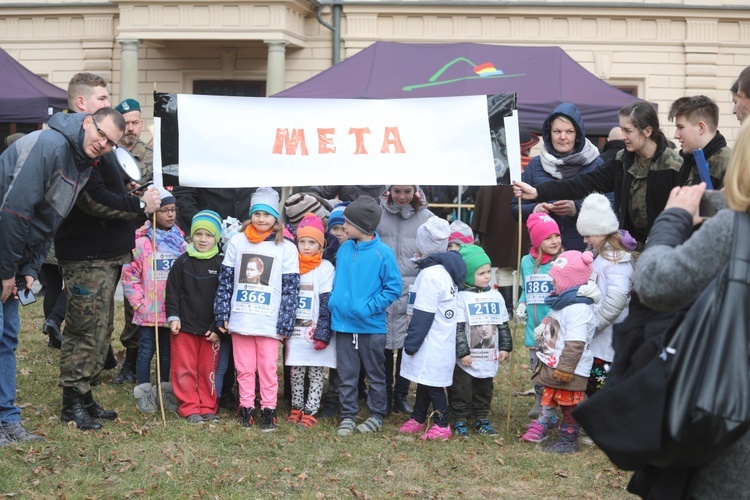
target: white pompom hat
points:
(596, 217)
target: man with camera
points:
(41, 175)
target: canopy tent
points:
(25, 97)
(543, 77)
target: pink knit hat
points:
(571, 268)
(541, 226)
(311, 226)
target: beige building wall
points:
(665, 49)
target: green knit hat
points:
(474, 258)
(208, 220)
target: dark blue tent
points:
(24, 97)
(542, 77)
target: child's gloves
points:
(319, 345)
(520, 314)
(539, 330)
(562, 376)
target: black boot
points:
(73, 411)
(127, 373)
(400, 404)
(52, 329)
(111, 361)
(96, 411)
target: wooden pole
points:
(515, 320)
(156, 325)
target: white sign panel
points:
(246, 142)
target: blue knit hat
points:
(337, 215)
(265, 199)
(208, 220)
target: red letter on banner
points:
(392, 138)
(360, 140)
(290, 142)
(325, 140)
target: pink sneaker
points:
(536, 433)
(437, 433)
(411, 427)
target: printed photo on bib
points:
(546, 341)
(483, 342)
(253, 292)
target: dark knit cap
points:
(364, 214)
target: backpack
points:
(679, 390)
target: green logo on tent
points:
(486, 70)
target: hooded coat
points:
(583, 158)
(398, 229)
(41, 175)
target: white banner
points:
(247, 142)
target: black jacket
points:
(614, 176)
(191, 289)
(102, 224)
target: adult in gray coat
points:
(672, 271)
(404, 210)
(41, 176)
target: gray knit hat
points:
(596, 217)
(432, 236)
(364, 213)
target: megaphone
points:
(128, 164)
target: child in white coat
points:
(613, 274)
(430, 344)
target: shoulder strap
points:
(740, 260)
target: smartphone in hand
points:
(25, 296)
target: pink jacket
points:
(141, 285)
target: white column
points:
(128, 69)
(276, 76)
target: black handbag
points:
(683, 406)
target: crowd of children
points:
(275, 284)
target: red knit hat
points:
(541, 226)
(312, 227)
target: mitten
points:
(319, 345)
(520, 313)
(562, 376)
(539, 330)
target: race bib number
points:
(254, 299)
(538, 288)
(410, 297)
(483, 311)
(164, 262)
(305, 304)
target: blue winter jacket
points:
(534, 174)
(367, 280)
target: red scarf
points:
(545, 257)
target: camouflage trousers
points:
(129, 334)
(89, 322)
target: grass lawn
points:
(138, 455)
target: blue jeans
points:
(146, 350)
(11, 323)
(225, 352)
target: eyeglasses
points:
(167, 211)
(110, 143)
